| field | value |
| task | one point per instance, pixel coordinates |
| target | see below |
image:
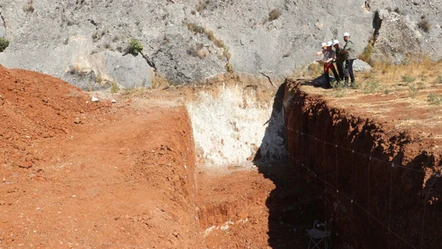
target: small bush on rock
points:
(3, 44)
(134, 47)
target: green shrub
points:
(371, 87)
(3, 44)
(134, 47)
(433, 99)
(408, 79)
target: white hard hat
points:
(346, 34)
(335, 42)
(329, 43)
(324, 44)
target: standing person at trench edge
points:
(350, 55)
(323, 49)
(340, 58)
(329, 57)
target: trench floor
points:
(123, 177)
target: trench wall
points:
(233, 122)
(374, 193)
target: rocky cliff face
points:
(83, 41)
(407, 29)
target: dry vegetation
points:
(388, 90)
(424, 25)
(196, 29)
(411, 80)
(422, 75)
(273, 15)
(202, 5)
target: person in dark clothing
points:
(350, 55)
(340, 58)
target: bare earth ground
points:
(404, 98)
(77, 174)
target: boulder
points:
(361, 66)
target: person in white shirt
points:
(328, 59)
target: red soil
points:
(82, 174)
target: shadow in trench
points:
(291, 204)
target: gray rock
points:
(361, 66)
(398, 39)
(128, 71)
(2, 28)
(86, 79)
(409, 30)
(55, 36)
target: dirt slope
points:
(99, 175)
(37, 106)
(82, 174)
(77, 173)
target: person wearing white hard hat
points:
(350, 55)
(323, 48)
(339, 59)
(327, 61)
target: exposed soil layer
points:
(104, 176)
(380, 184)
(37, 106)
(82, 174)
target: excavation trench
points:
(237, 166)
(240, 145)
(248, 194)
(270, 166)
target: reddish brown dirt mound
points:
(33, 105)
(82, 174)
